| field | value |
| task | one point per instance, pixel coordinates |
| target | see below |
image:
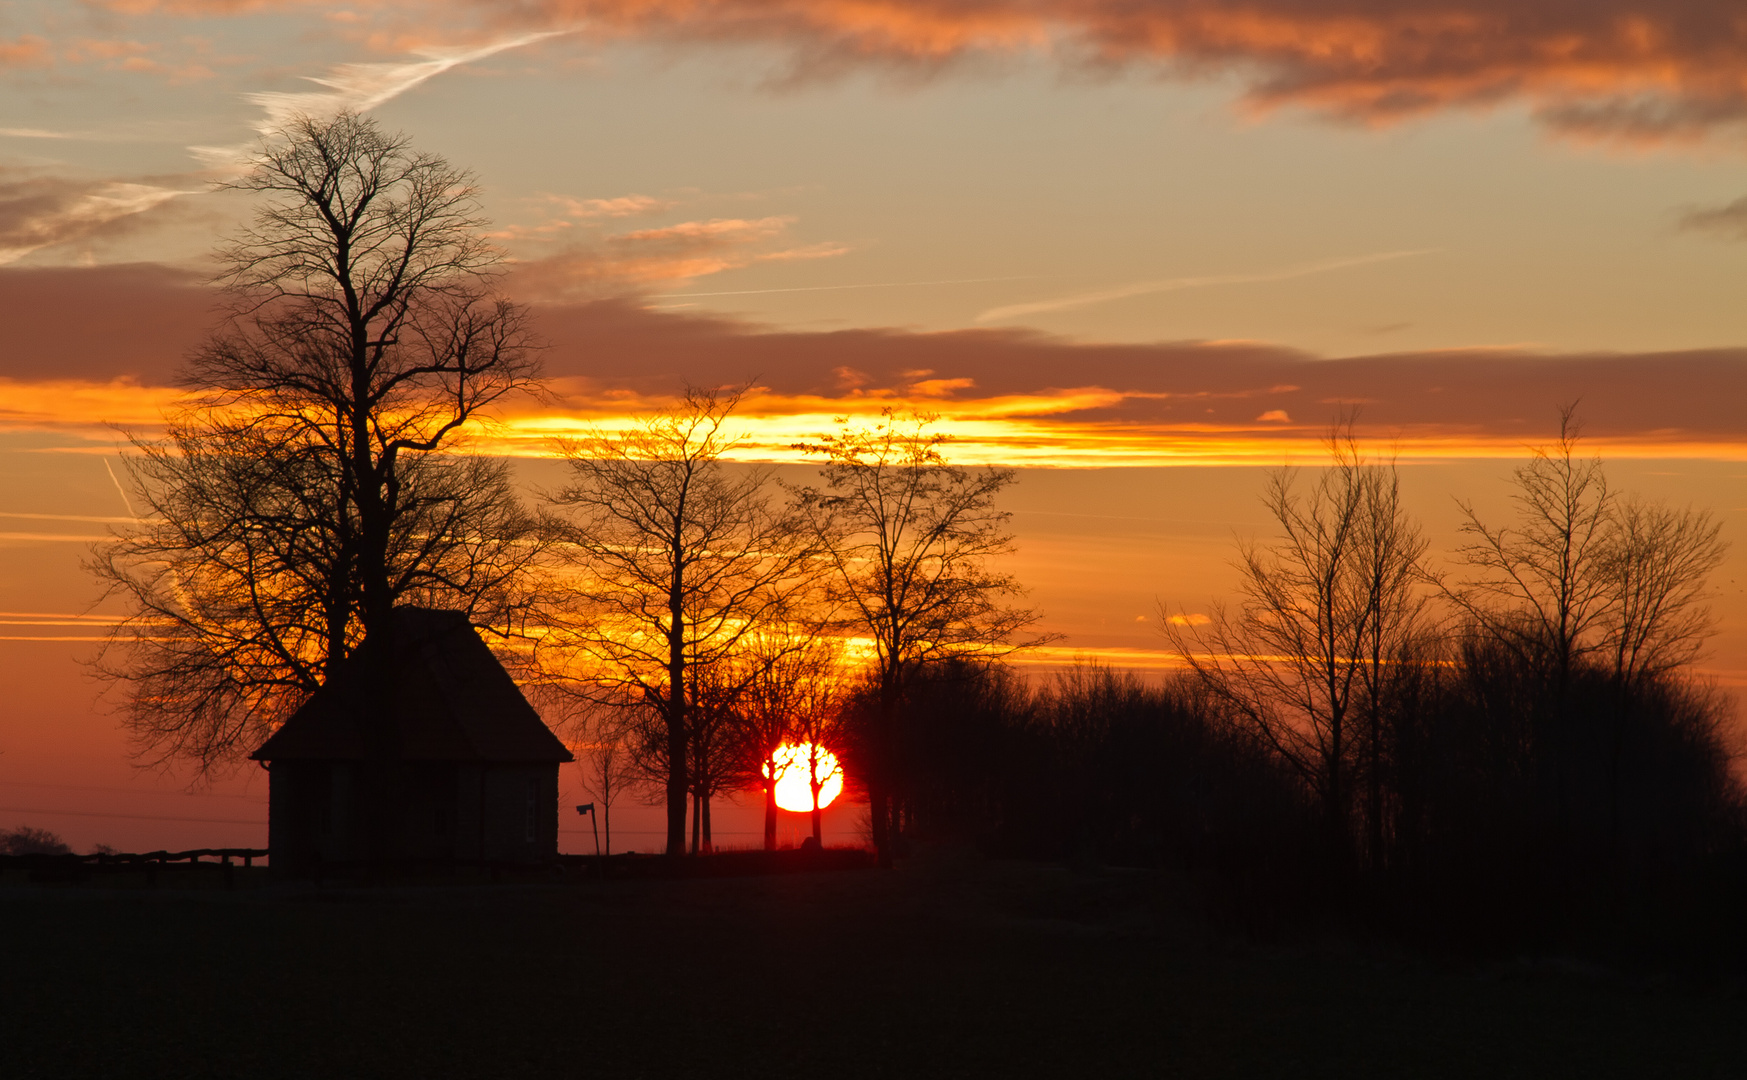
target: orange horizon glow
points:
(1021, 430)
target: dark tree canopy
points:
(305, 490)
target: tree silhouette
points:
(1324, 611)
(676, 558)
(910, 537)
(1583, 576)
(302, 494)
(1542, 588)
(795, 694)
(604, 738)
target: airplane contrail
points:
(1142, 288)
(119, 490)
(868, 285)
(360, 87)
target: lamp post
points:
(588, 808)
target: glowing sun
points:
(794, 788)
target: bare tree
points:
(710, 759)
(1542, 587)
(794, 696)
(1324, 612)
(676, 558)
(607, 760)
(1586, 576)
(910, 538)
(1390, 553)
(1657, 565)
(303, 494)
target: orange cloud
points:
(1636, 69)
(83, 406)
(27, 50)
(642, 257)
(1620, 69)
(561, 215)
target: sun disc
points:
(794, 787)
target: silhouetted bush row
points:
(1512, 816)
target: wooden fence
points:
(42, 867)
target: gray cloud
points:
(1729, 220)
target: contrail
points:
(869, 285)
(1142, 288)
(119, 490)
(359, 87)
(67, 517)
(365, 86)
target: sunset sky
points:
(1143, 250)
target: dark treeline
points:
(1507, 823)
(1513, 754)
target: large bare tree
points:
(1325, 612)
(675, 557)
(304, 492)
(911, 539)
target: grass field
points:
(948, 966)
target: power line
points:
(131, 817)
(126, 791)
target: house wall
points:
(312, 815)
(520, 812)
(319, 813)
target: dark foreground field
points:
(945, 967)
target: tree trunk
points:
(770, 808)
(879, 788)
(878, 805)
(677, 792)
(1374, 793)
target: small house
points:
(435, 758)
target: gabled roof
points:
(450, 700)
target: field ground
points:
(948, 966)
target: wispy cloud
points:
(682, 251)
(38, 212)
(1729, 220)
(28, 50)
(863, 285)
(616, 207)
(1144, 288)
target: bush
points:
(25, 840)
